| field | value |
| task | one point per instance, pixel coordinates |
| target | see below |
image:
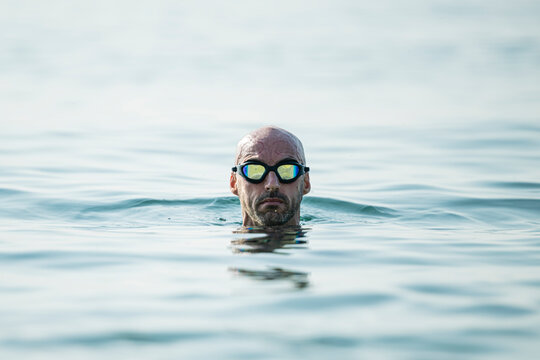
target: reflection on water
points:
(268, 239)
(299, 279)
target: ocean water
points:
(119, 237)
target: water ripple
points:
(496, 310)
(333, 301)
(219, 202)
(82, 259)
(12, 192)
(445, 290)
(112, 337)
(342, 206)
(532, 205)
(512, 184)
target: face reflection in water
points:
(264, 240)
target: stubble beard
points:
(273, 215)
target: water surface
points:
(119, 237)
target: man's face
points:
(270, 202)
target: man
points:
(270, 177)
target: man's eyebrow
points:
(290, 159)
(280, 161)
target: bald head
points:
(269, 138)
(270, 200)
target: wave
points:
(343, 206)
(496, 203)
(107, 338)
(12, 192)
(512, 184)
(434, 211)
(218, 202)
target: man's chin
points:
(274, 218)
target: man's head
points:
(270, 202)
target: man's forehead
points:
(273, 146)
(269, 148)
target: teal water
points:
(120, 239)
(119, 249)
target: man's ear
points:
(232, 184)
(307, 184)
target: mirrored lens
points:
(253, 171)
(288, 171)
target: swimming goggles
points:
(287, 171)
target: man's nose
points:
(271, 182)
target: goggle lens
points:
(253, 171)
(288, 171)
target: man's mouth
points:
(272, 202)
